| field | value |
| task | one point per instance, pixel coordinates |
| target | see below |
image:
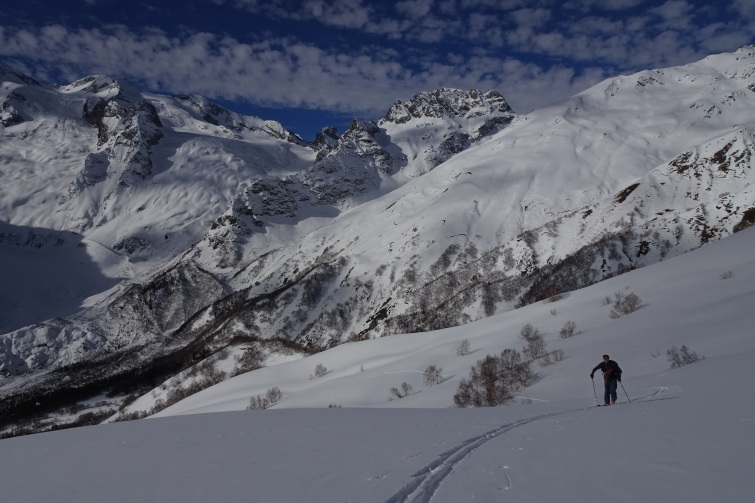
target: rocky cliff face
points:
(450, 104)
(128, 127)
(355, 166)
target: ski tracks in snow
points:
(426, 482)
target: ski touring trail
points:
(427, 481)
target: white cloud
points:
(548, 42)
(342, 13)
(274, 72)
(530, 17)
(744, 8)
(586, 30)
(281, 72)
(674, 14)
(414, 9)
(606, 5)
(527, 50)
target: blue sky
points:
(314, 63)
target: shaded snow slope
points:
(686, 436)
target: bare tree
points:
(432, 375)
(464, 348)
(320, 370)
(625, 304)
(551, 358)
(274, 395)
(528, 332)
(493, 379)
(406, 389)
(258, 403)
(534, 344)
(534, 348)
(516, 373)
(568, 330)
(678, 357)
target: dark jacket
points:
(610, 369)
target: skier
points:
(611, 378)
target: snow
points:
(542, 169)
(687, 435)
(46, 281)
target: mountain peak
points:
(105, 87)
(8, 74)
(448, 102)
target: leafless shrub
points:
(406, 389)
(274, 395)
(727, 275)
(554, 312)
(258, 403)
(607, 301)
(567, 330)
(678, 357)
(534, 344)
(528, 332)
(320, 370)
(493, 379)
(625, 304)
(432, 375)
(464, 348)
(551, 358)
(535, 348)
(514, 372)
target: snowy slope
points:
(139, 177)
(143, 177)
(684, 301)
(687, 435)
(551, 185)
(355, 239)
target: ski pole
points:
(593, 389)
(625, 391)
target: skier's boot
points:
(613, 403)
